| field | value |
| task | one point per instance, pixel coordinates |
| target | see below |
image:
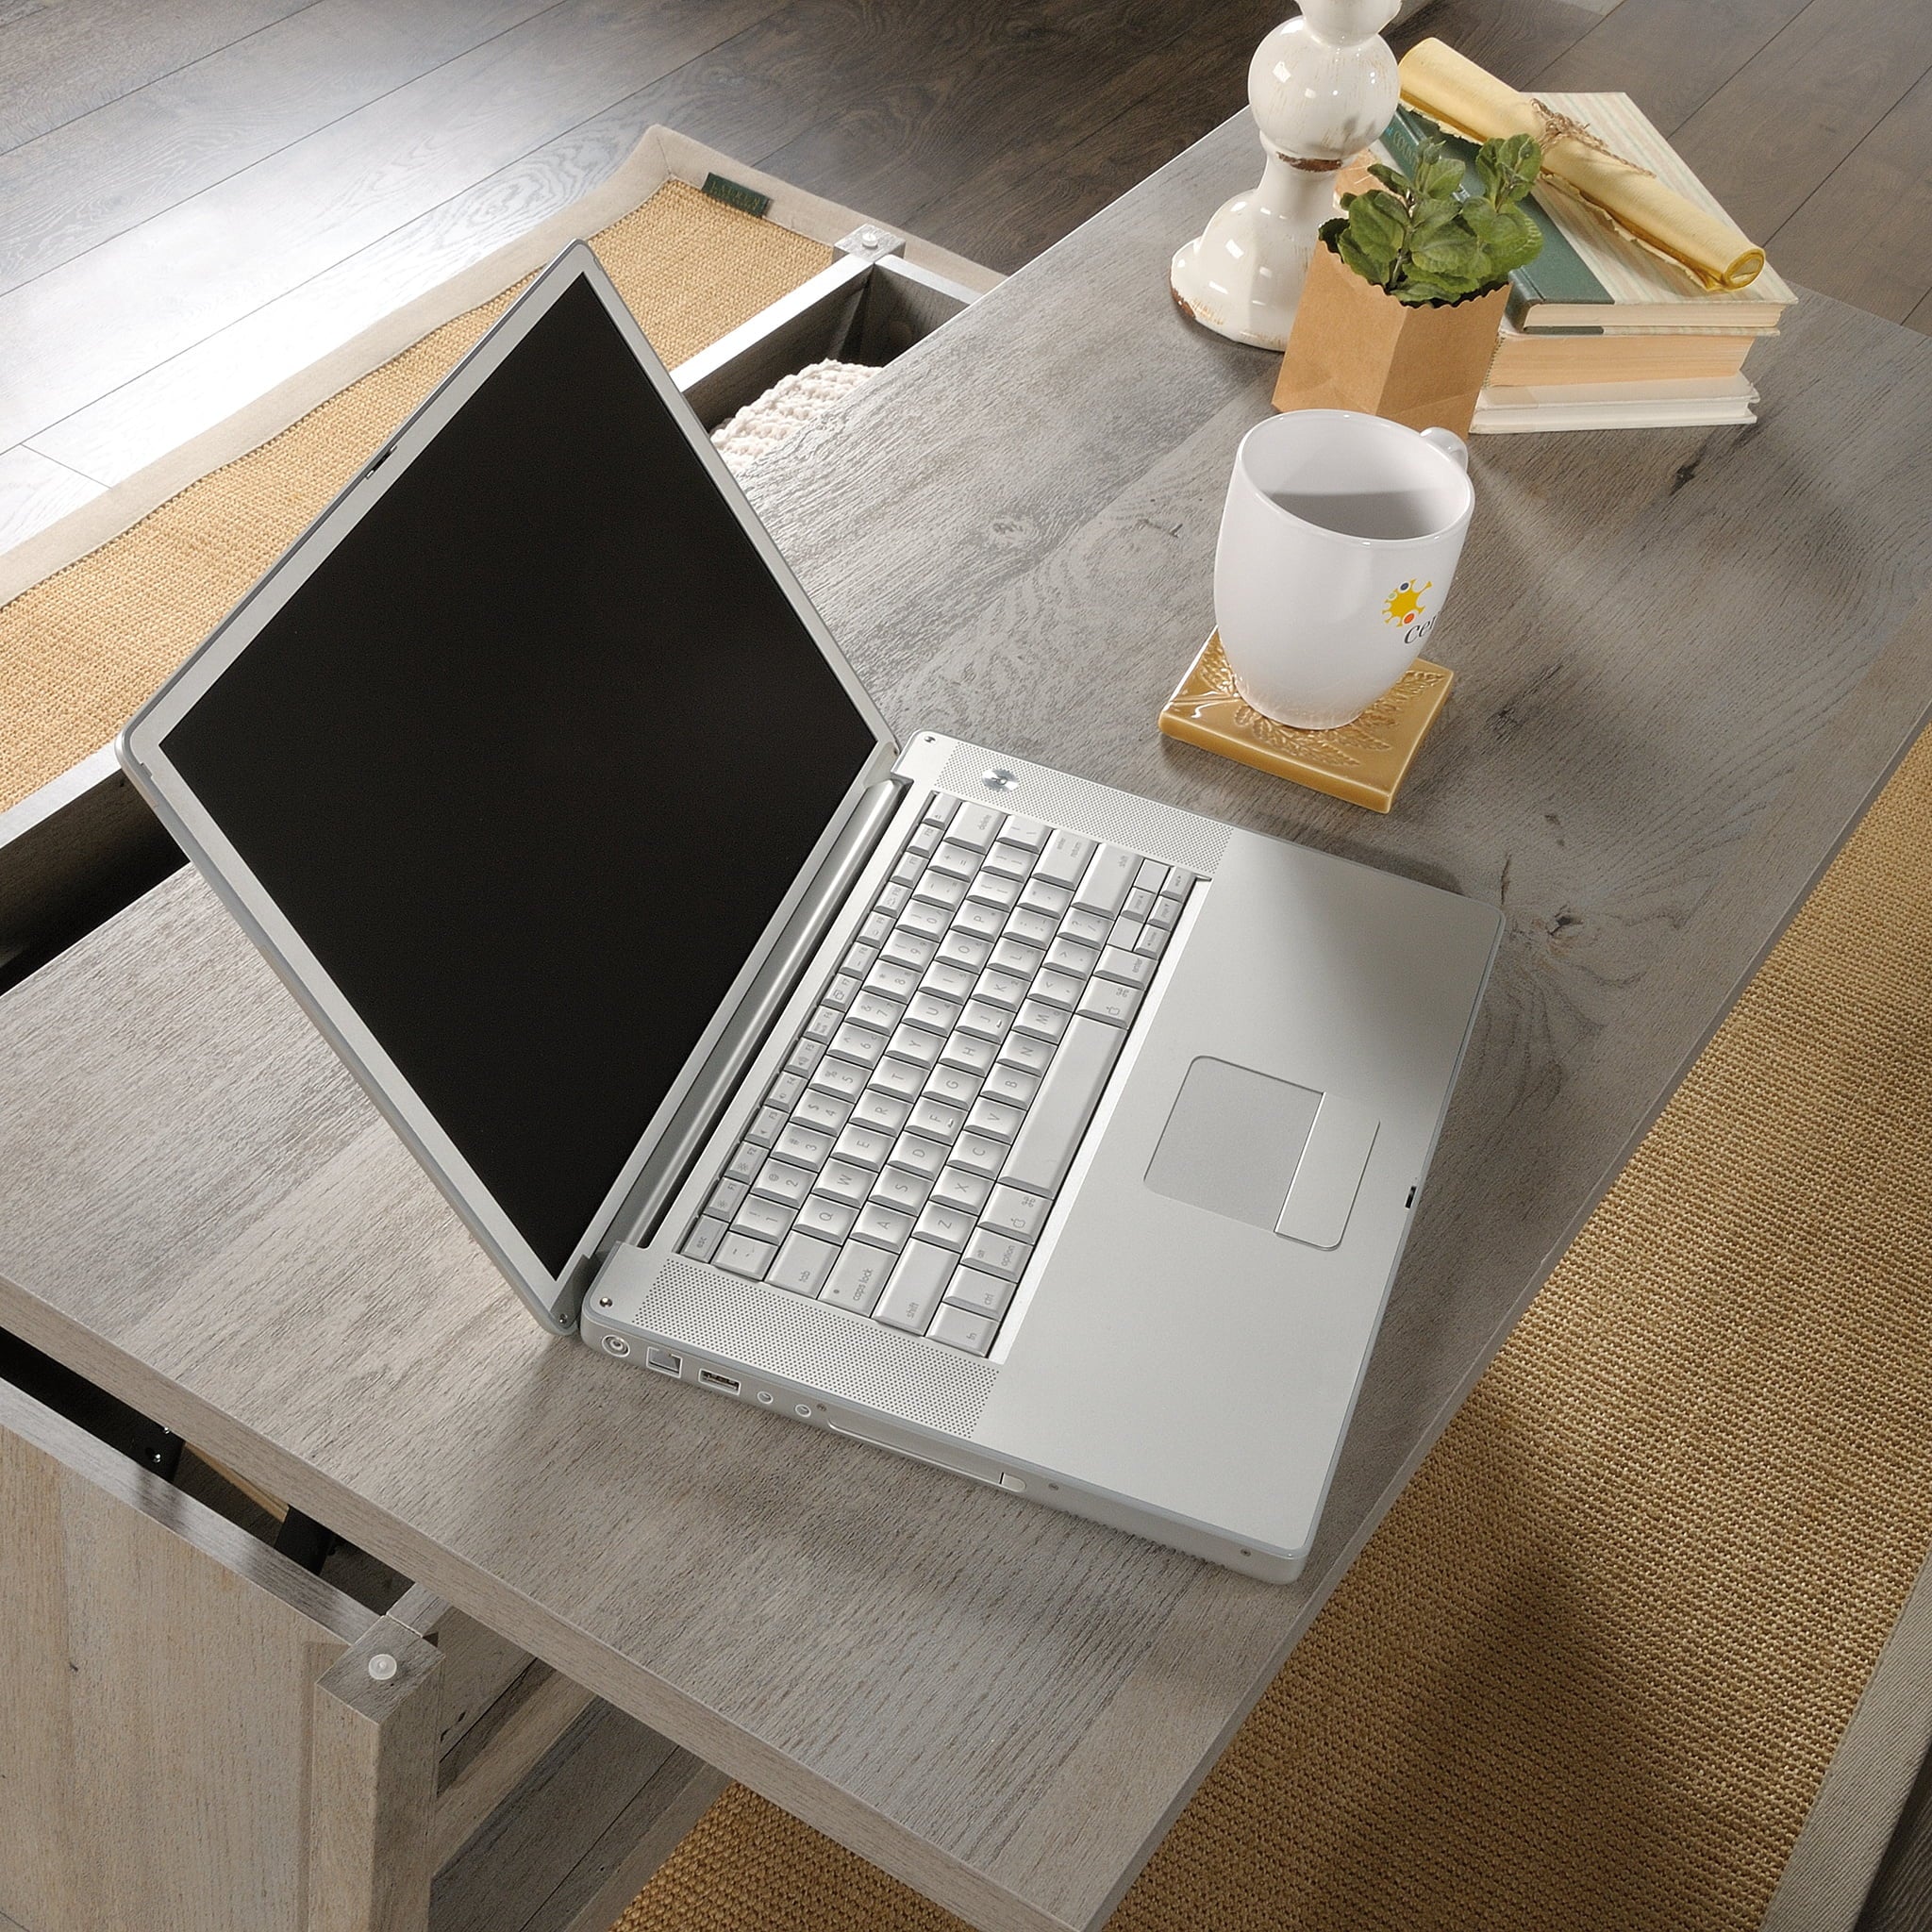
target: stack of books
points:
(1600, 332)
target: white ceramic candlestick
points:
(1322, 86)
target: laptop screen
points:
(529, 763)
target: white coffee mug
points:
(1338, 543)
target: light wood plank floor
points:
(199, 196)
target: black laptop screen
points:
(530, 761)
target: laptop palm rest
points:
(1263, 1151)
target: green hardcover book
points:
(1557, 274)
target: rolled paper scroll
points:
(1452, 90)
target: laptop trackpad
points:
(1263, 1151)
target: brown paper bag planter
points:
(1354, 346)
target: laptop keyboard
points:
(907, 1154)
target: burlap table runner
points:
(81, 649)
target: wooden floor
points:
(199, 196)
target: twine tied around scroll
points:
(1553, 125)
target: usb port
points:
(664, 1362)
(717, 1381)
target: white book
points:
(1643, 286)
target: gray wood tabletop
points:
(1684, 659)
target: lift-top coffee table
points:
(1012, 532)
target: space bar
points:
(1044, 1147)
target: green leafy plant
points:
(1424, 238)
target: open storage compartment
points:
(870, 306)
(83, 846)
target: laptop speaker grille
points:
(1179, 838)
(806, 1342)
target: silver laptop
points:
(921, 1093)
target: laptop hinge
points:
(690, 1127)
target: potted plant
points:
(1406, 292)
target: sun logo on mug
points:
(1405, 603)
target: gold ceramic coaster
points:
(1364, 762)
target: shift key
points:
(1105, 884)
(1043, 1148)
(917, 1283)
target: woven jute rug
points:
(1590, 1670)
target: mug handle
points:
(1450, 444)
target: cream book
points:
(1511, 412)
(1531, 356)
